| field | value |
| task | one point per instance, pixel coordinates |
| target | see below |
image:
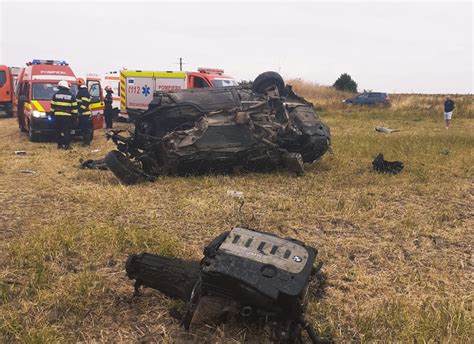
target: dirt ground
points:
(397, 250)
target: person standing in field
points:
(85, 122)
(64, 108)
(448, 111)
(108, 111)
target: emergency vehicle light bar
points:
(48, 62)
(210, 70)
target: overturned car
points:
(220, 130)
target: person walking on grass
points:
(448, 111)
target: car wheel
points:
(122, 168)
(34, 137)
(267, 79)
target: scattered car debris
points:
(386, 130)
(27, 171)
(384, 166)
(244, 274)
(94, 164)
(220, 130)
(95, 150)
(20, 152)
(235, 194)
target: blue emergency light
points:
(49, 62)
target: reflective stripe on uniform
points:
(62, 103)
(60, 113)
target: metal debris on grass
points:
(246, 275)
(235, 194)
(384, 166)
(93, 164)
(27, 171)
(386, 130)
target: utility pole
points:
(181, 63)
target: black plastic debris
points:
(384, 166)
(94, 164)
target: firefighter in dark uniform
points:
(64, 108)
(108, 111)
(83, 108)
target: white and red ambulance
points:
(137, 87)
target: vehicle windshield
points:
(46, 90)
(224, 82)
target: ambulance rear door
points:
(139, 89)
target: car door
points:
(362, 99)
(97, 103)
(198, 82)
(374, 98)
(23, 104)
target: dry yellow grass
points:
(397, 249)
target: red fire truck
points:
(36, 85)
(6, 89)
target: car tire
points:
(32, 135)
(122, 168)
(267, 79)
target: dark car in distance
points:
(369, 98)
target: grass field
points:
(397, 250)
